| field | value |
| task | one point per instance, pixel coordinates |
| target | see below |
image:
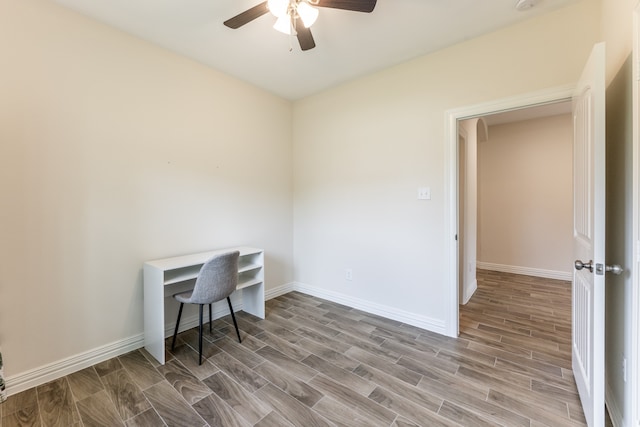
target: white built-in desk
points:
(165, 277)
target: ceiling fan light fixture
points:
(283, 24)
(294, 17)
(307, 13)
(278, 8)
(523, 5)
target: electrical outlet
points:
(348, 274)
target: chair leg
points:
(233, 316)
(210, 330)
(175, 332)
(200, 335)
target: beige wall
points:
(617, 30)
(617, 26)
(115, 152)
(619, 242)
(525, 195)
(362, 149)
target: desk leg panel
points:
(154, 312)
(253, 300)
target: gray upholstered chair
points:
(216, 280)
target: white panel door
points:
(589, 236)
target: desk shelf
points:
(248, 267)
(168, 276)
(179, 275)
(248, 283)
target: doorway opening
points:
(515, 207)
(516, 105)
(506, 202)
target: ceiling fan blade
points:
(304, 36)
(247, 16)
(355, 5)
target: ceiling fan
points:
(296, 16)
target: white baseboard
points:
(611, 406)
(280, 290)
(527, 271)
(221, 310)
(35, 377)
(413, 319)
(469, 291)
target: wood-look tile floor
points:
(316, 363)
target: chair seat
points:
(184, 297)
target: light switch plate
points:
(424, 193)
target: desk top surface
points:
(195, 259)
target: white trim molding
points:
(220, 309)
(52, 371)
(612, 408)
(468, 292)
(38, 376)
(527, 271)
(413, 319)
(280, 290)
(35, 377)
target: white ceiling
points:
(348, 44)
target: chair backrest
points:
(217, 279)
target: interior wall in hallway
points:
(525, 197)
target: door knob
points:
(615, 269)
(579, 265)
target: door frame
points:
(452, 116)
(463, 139)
